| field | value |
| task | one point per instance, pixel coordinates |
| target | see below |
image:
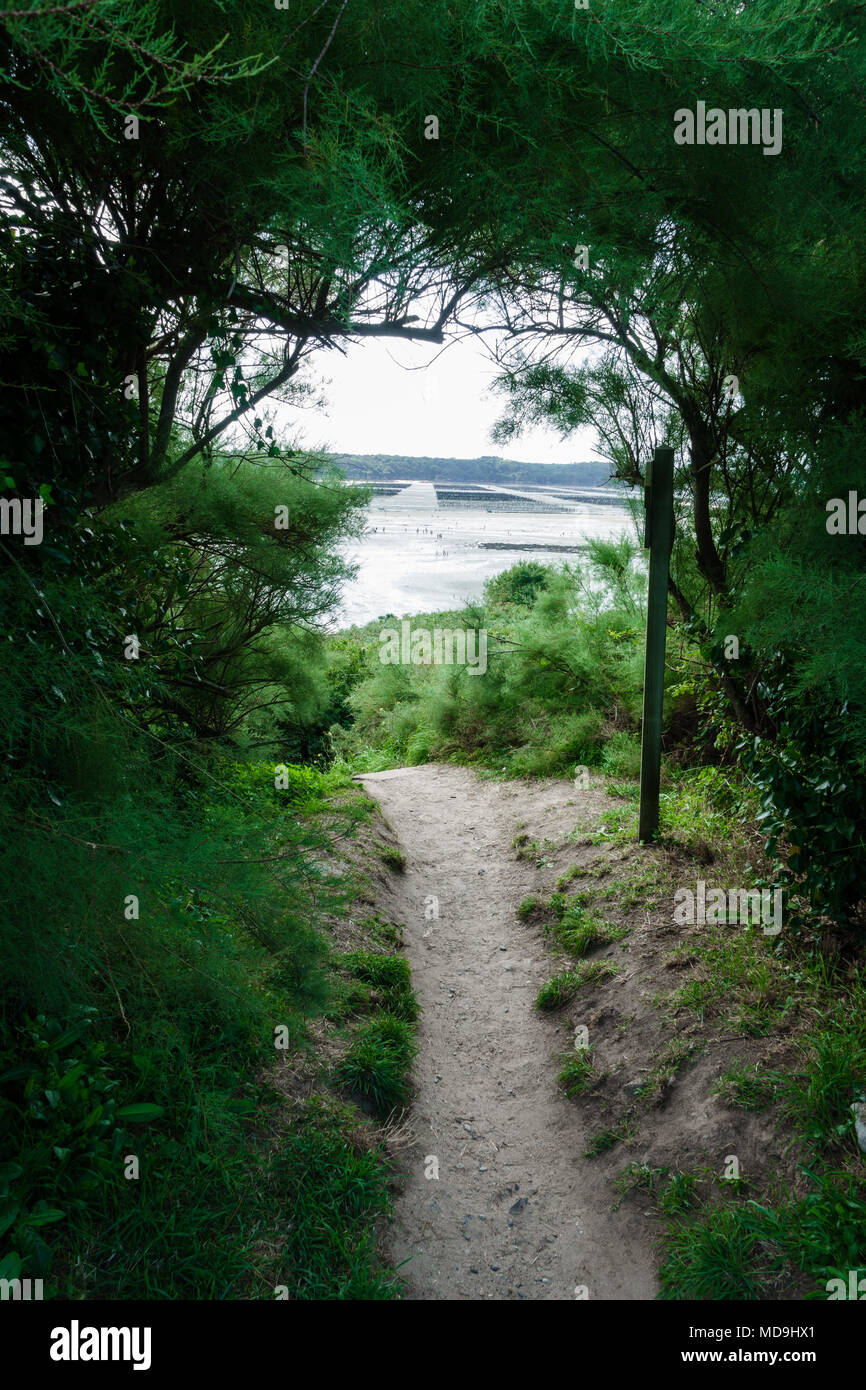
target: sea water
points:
(419, 557)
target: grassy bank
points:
(763, 1037)
(560, 683)
(191, 1128)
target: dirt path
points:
(516, 1211)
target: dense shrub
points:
(563, 684)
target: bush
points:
(521, 584)
(811, 785)
(564, 660)
(620, 756)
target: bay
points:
(420, 556)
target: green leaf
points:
(142, 1111)
(44, 1217)
(10, 1265)
(71, 1077)
(9, 1210)
(70, 1035)
(15, 1073)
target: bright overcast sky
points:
(377, 406)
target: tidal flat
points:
(420, 557)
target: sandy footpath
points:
(516, 1211)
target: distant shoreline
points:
(508, 545)
(385, 468)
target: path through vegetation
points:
(516, 1211)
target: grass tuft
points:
(376, 1063)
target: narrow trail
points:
(516, 1212)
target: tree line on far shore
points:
(486, 469)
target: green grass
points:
(558, 991)
(580, 935)
(678, 1193)
(638, 1175)
(745, 1088)
(530, 907)
(212, 1215)
(579, 931)
(576, 1072)
(576, 871)
(205, 979)
(626, 791)
(562, 988)
(696, 809)
(575, 929)
(749, 1250)
(817, 1100)
(742, 1247)
(713, 1260)
(620, 757)
(393, 858)
(741, 980)
(330, 1193)
(384, 932)
(73, 1110)
(618, 826)
(645, 888)
(673, 1192)
(606, 1139)
(377, 1061)
(388, 978)
(349, 999)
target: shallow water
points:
(419, 557)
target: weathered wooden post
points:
(658, 537)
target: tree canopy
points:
(199, 196)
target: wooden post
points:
(658, 536)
